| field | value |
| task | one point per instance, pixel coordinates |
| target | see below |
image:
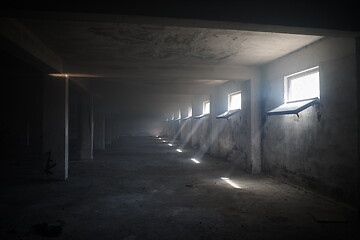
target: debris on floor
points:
(50, 229)
(131, 237)
(328, 217)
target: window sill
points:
(202, 115)
(293, 107)
(228, 114)
(187, 118)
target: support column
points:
(99, 127)
(108, 131)
(115, 131)
(256, 121)
(86, 127)
(357, 49)
(56, 127)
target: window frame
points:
(229, 100)
(296, 75)
(230, 112)
(204, 107)
(178, 115)
(203, 112)
(296, 106)
(190, 111)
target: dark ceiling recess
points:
(318, 14)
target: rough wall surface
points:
(230, 139)
(204, 134)
(21, 135)
(200, 127)
(74, 122)
(318, 149)
(185, 132)
(170, 129)
(186, 123)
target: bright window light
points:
(189, 111)
(230, 182)
(206, 107)
(179, 150)
(194, 160)
(234, 101)
(170, 144)
(302, 85)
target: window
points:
(234, 105)
(206, 110)
(189, 111)
(178, 115)
(302, 85)
(302, 90)
(206, 107)
(293, 107)
(234, 101)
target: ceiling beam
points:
(18, 40)
(182, 22)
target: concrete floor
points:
(141, 188)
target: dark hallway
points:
(180, 120)
(141, 188)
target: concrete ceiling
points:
(160, 54)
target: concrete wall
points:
(139, 126)
(201, 127)
(99, 125)
(86, 126)
(141, 111)
(56, 125)
(318, 149)
(230, 139)
(172, 130)
(21, 133)
(186, 124)
(81, 123)
(74, 121)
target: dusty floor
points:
(141, 188)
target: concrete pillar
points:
(357, 51)
(116, 131)
(255, 103)
(56, 127)
(86, 127)
(99, 127)
(215, 104)
(108, 131)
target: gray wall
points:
(201, 127)
(21, 134)
(136, 110)
(186, 125)
(230, 139)
(318, 149)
